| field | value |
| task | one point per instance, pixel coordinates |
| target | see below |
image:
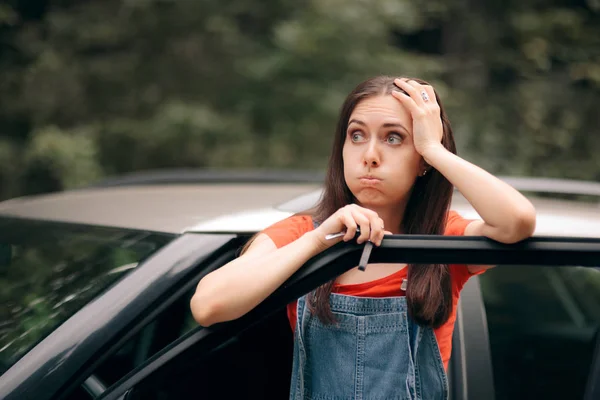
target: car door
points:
(543, 325)
(130, 320)
(251, 356)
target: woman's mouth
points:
(367, 179)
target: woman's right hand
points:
(348, 219)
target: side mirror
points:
(6, 254)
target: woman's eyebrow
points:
(356, 121)
(394, 125)
(386, 125)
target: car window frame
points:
(89, 342)
(543, 251)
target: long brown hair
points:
(429, 290)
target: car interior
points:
(543, 324)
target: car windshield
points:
(48, 271)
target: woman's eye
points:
(356, 136)
(394, 139)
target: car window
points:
(256, 364)
(543, 325)
(251, 359)
(48, 271)
(158, 330)
(175, 321)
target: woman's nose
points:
(371, 157)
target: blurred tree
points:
(130, 84)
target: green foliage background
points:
(104, 87)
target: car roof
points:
(554, 217)
(161, 208)
(248, 202)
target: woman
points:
(382, 333)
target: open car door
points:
(251, 356)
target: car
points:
(96, 284)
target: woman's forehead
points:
(379, 110)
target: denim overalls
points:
(373, 352)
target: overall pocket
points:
(330, 368)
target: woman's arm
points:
(508, 216)
(240, 285)
(236, 288)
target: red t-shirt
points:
(290, 229)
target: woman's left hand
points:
(425, 111)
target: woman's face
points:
(380, 161)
